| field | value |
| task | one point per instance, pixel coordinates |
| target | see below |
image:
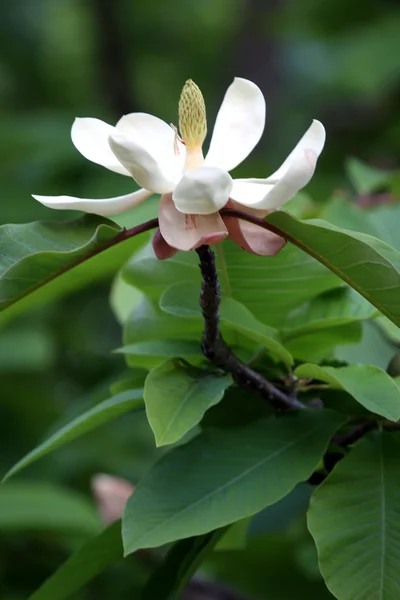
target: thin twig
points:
(215, 348)
(239, 214)
(351, 437)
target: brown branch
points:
(215, 348)
(240, 214)
(351, 437)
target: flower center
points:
(192, 124)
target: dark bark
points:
(218, 352)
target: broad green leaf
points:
(170, 348)
(89, 420)
(235, 538)
(151, 275)
(320, 344)
(330, 310)
(268, 286)
(369, 385)
(354, 518)
(147, 322)
(379, 221)
(177, 396)
(54, 254)
(346, 213)
(224, 475)
(268, 568)
(180, 564)
(37, 506)
(182, 300)
(366, 179)
(92, 558)
(130, 380)
(373, 349)
(391, 331)
(368, 265)
(123, 299)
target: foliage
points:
(231, 494)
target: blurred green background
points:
(336, 60)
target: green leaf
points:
(354, 518)
(390, 330)
(379, 221)
(95, 417)
(222, 476)
(346, 213)
(147, 322)
(123, 299)
(235, 538)
(330, 310)
(268, 286)
(369, 385)
(182, 300)
(374, 348)
(43, 253)
(36, 506)
(171, 348)
(177, 396)
(269, 568)
(180, 564)
(320, 344)
(366, 179)
(368, 265)
(83, 566)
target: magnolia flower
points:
(111, 495)
(193, 188)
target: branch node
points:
(216, 349)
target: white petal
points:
(295, 172)
(261, 194)
(158, 138)
(143, 167)
(203, 191)
(251, 237)
(239, 125)
(186, 232)
(313, 139)
(250, 191)
(104, 207)
(90, 137)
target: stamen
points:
(177, 139)
(190, 222)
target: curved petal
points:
(90, 137)
(111, 495)
(158, 138)
(186, 232)
(239, 125)
(143, 167)
(313, 140)
(251, 237)
(250, 192)
(263, 194)
(104, 207)
(202, 191)
(161, 249)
